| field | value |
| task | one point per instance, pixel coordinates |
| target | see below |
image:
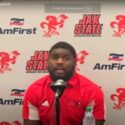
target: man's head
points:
(61, 61)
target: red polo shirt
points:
(39, 103)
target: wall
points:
(95, 28)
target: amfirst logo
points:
(19, 31)
(16, 101)
(116, 58)
(18, 22)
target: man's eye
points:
(54, 57)
(67, 58)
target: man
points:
(39, 107)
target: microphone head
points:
(59, 84)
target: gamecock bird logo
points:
(119, 98)
(52, 24)
(119, 26)
(6, 59)
(80, 59)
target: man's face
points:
(61, 64)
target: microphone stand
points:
(58, 87)
(57, 97)
(57, 110)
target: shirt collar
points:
(74, 80)
(49, 80)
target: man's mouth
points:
(59, 71)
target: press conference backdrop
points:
(29, 28)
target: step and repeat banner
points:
(29, 28)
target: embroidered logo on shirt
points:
(45, 103)
(76, 103)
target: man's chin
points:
(58, 77)
(62, 76)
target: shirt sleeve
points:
(30, 104)
(98, 104)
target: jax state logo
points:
(38, 62)
(118, 26)
(51, 25)
(119, 98)
(89, 25)
(6, 59)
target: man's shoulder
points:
(89, 86)
(87, 82)
(40, 82)
(43, 79)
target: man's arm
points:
(99, 122)
(31, 122)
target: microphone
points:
(58, 87)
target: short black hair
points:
(65, 45)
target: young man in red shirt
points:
(39, 107)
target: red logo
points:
(88, 26)
(51, 25)
(119, 98)
(119, 26)
(6, 59)
(38, 62)
(81, 58)
(13, 123)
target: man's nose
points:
(60, 61)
